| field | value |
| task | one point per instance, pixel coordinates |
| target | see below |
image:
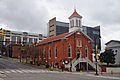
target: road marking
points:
(7, 72)
(19, 71)
(27, 71)
(13, 71)
(1, 72)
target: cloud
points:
(24, 15)
(33, 15)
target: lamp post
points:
(96, 56)
(96, 61)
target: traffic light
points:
(97, 53)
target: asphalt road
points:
(10, 70)
(10, 64)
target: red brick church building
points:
(72, 49)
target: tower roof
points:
(75, 14)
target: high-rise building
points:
(94, 34)
(56, 27)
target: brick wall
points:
(62, 49)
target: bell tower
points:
(75, 21)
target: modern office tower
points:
(56, 27)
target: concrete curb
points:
(93, 75)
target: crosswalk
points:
(26, 71)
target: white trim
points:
(49, 53)
(70, 51)
(44, 53)
(55, 52)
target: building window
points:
(70, 24)
(30, 40)
(78, 53)
(56, 52)
(79, 43)
(13, 39)
(69, 51)
(7, 41)
(86, 51)
(40, 54)
(35, 40)
(25, 39)
(49, 53)
(76, 22)
(73, 23)
(44, 54)
(18, 39)
(79, 23)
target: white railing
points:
(94, 65)
(76, 61)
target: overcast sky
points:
(33, 15)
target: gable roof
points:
(112, 41)
(75, 14)
(61, 37)
(54, 38)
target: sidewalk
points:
(103, 75)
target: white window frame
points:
(70, 51)
(55, 52)
(86, 51)
(49, 53)
(78, 43)
(44, 53)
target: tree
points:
(107, 56)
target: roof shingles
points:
(54, 38)
(75, 14)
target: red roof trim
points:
(75, 14)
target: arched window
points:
(44, 54)
(56, 52)
(49, 53)
(80, 43)
(78, 53)
(69, 51)
(40, 54)
(86, 51)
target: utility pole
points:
(96, 57)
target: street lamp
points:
(96, 59)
